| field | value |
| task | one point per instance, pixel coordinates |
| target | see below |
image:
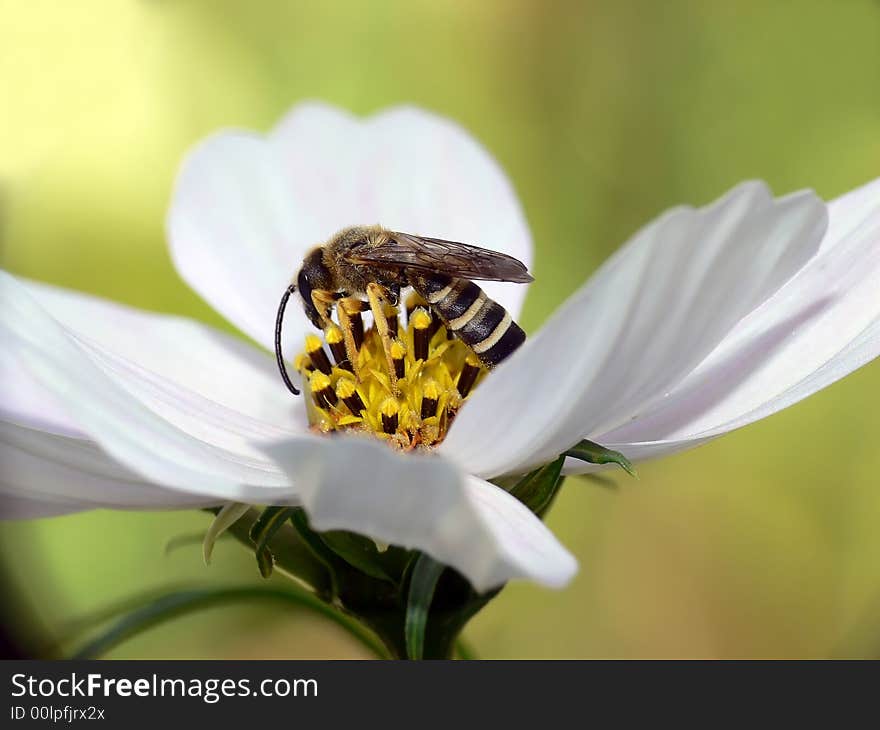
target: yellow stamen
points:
(390, 411)
(468, 375)
(430, 396)
(421, 320)
(421, 323)
(398, 352)
(315, 351)
(345, 388)
(347, 393)
(334, 335)
(322, 391)
(407, 394)
(336, 340)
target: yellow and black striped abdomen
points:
(482, 324)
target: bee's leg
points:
(324, 301)
(379, 300)
(345, 309)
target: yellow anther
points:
(336, 340)
(390, 407)
(406, 390)
(421, 336)
(319, 381)
(431, 390)
(301, 362)
(334, 335)
(315, 350)
(389, 410)
(322, 391)
(346, 391)
(421, 320)
(430, 395)
(345, 388)
(398, 351)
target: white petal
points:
(22, 508)
(159, 429)
(49, 469)
(193, 356)
(233, 233)
(246, 209)
(423, 502)
(24, 400)
(820, 326)
(650, 315)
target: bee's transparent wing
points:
(406, 251)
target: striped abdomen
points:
(483, 325)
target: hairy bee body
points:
(347, 255)
(440, 271)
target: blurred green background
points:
(763, 544)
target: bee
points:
(372, 262)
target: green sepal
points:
(358, 551)
(188, 539)
(265, 562)
(593, 453)
(537, 489)
(318, 547)
(425, 575)
(224, 519)
(291, 554)
(264, 528)
(264, 523)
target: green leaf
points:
(358, 551)
(226, 517)
(425, 575)
(537, 489)
(595, 454)
(181, 602)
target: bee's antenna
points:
(278, 356)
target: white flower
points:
(705, 321)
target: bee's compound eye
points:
(302, 282)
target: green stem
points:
(182, 602)
(464, 649)
(362, 599)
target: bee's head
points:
(313, 275)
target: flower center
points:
(405, 390)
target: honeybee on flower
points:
(706, 320)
